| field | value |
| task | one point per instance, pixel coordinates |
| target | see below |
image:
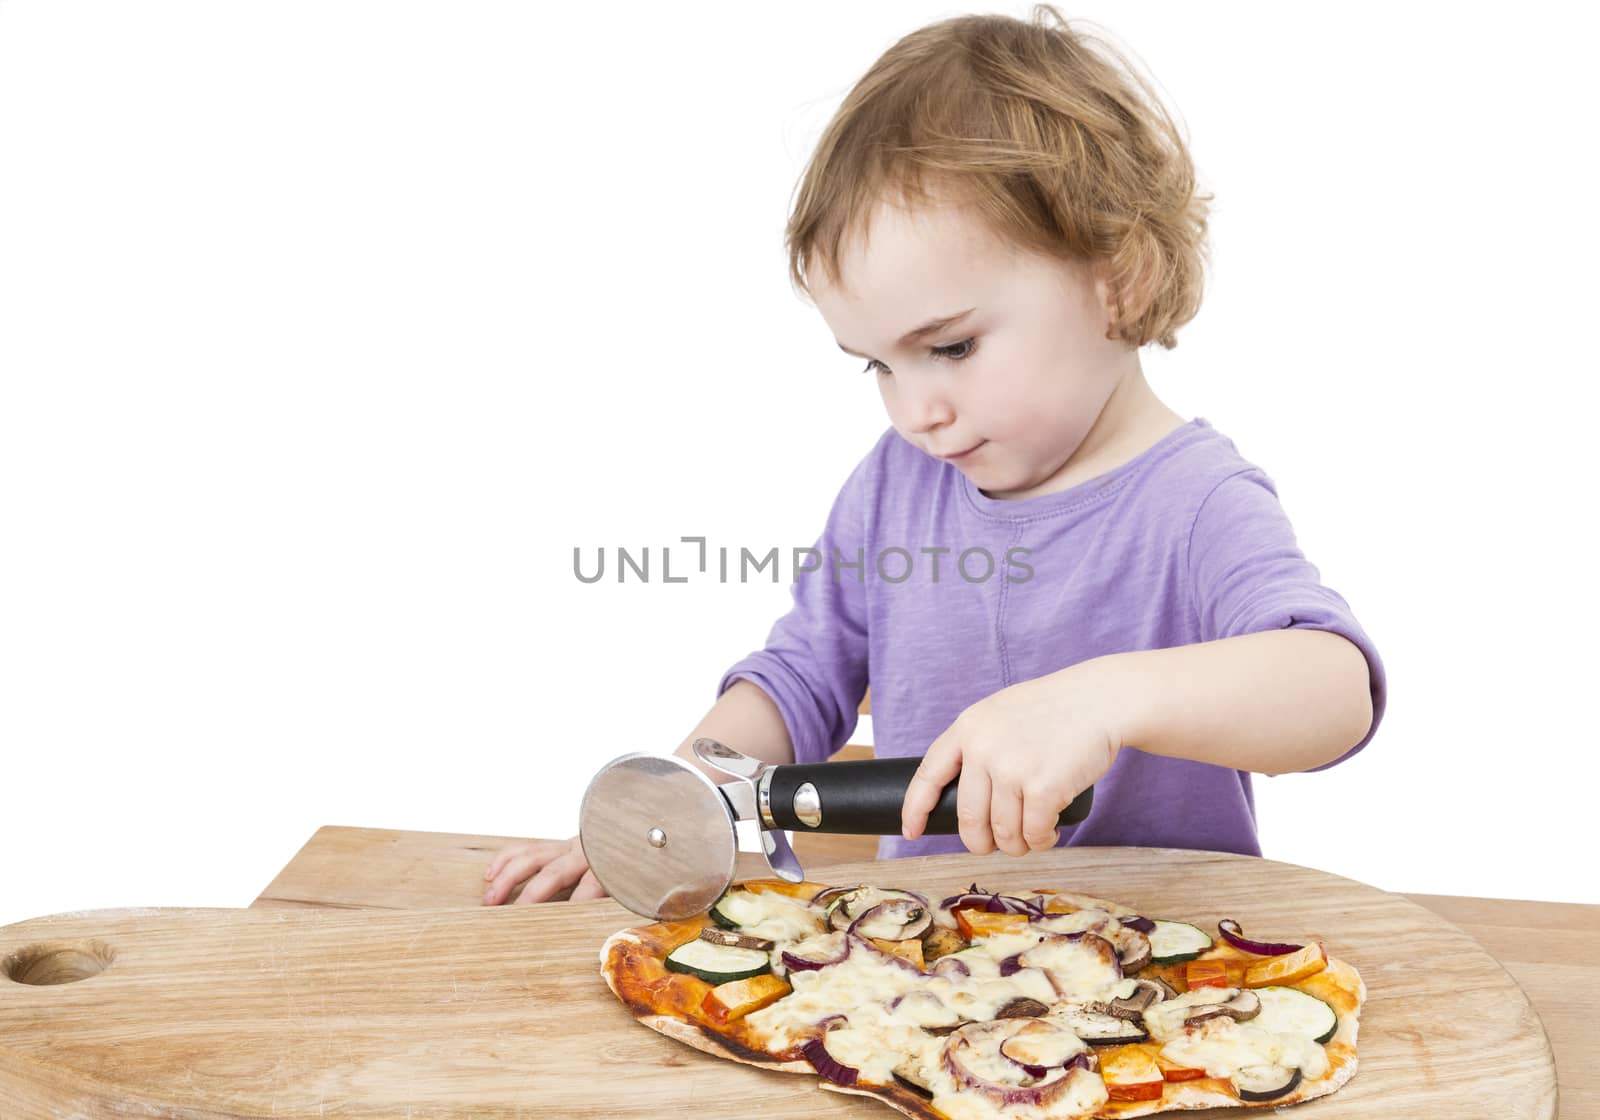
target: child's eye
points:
(955, 352)
(948, 353)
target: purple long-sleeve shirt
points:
(1185, 543)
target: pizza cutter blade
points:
(658, 835)
(661, 839)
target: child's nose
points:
(926, 407)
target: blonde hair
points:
(1061, 153)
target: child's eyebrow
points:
(927, 328)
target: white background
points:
(331, 328)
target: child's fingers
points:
(512, 872)
(940, 766)
(514, 864)
(1039, 815)
(973, 799)
(588, 887)
(526, 847)
(557, 873)
(1005, 819)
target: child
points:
(1054, 578)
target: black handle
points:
(864, 796)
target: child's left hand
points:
(1022, 755)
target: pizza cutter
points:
(661, 839)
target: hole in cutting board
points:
(59, 962)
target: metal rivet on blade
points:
(657, 838)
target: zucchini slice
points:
(718, 964)
(1265, 1083)
(765, 914)
(734, 904)
(1291, 1011)
(1171, 942)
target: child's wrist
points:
(1107, 685)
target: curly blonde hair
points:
(1061, 153)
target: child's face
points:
(1017, 384)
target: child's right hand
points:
(558, 863)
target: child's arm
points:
(1272, 702)
(746, 719)
(1281, 678)
(1275, 702)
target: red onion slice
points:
(819, 954)
(828, 894)
(950, 966)
(989, 1035)
(1040, 1047)
(897, 919)
(816, 1053)
(975, 899)
(1233, 935)
(844, 907)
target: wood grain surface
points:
(315, 1009)
(1551, 949)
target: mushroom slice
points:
(1133, 949)
(719, 936)
(1118, 1008)
(1243, 1005)
(1144, 994)
(1099, 1029)
(1163, 989)
(1022, 1008)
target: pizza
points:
(986, 1005)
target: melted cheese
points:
(776, 917)
(880, 1040)
(986, 1061)
(1080, 921)
(1083, 1096)
(980, 999)
(858, 987)
(876, 1052)
(1222, 1047)
(1164, 1020)
(1079, 971)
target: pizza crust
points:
(692, 1035)
(896, 1097)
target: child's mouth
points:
(961, 455)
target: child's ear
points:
(1114, 303)
(1105, 294)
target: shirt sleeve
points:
(814, 664)
(1248, 576)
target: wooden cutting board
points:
(501, 1013)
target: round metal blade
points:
(658, 835)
